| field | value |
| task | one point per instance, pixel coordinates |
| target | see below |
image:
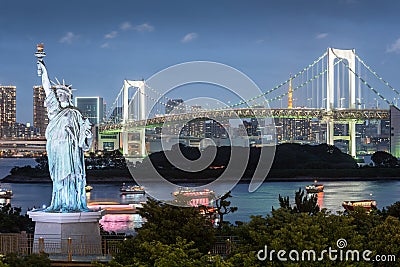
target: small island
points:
(292, 162)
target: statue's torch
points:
(40, 54)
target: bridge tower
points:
(290, 94)
(134, 140)
(349, 55)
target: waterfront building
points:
(109, 142)
(91, 108)
(40, 119)
(25, 131)
(8, 110)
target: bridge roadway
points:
(336, 115)
(38, 145)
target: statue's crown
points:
(62, 86)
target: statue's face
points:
(63, 97)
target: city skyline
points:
(95, 47)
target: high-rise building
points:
(8, 109)
(40, 119)
(116, 115)
(91, 108)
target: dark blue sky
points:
(95, 45)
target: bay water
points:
(260, 202)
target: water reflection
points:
(320, 200)
(121, 223)
(259, 202)
(116, 221)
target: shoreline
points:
(123, 179)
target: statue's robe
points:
(68, 136)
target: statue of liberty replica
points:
(68, 136)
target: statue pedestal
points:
(67, 234)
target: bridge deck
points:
(337, 115)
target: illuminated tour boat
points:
(131, 189)
(5, 193)
(112, 207)
(193, 197)
(366, 204)
(315, 188)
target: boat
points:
(367, 204)
(88, 188)
(188, 192)
(195, 198)
(112, 207)
(131, 189)
(5, 193)
(314, 188)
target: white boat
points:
(131, 189)
(315, 187)
(112, 207)
(367, 204)
(195, 198)
(5, 193)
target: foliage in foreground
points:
(37, 260)
(174, 236)
(11, 220)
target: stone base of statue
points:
(68, 236)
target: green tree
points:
(384, 159)
(224, 207)
(303, 203)
(165, 224)
(392, 210)
(11, 220)
(42, 163)
(37, 260)
(384, 239)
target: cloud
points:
(68, 38)
(189, 37)
(105, 45)
(321, 35)
(145, 27)
(126, 26)
(395, 47)
(260, 41)
(111, 35)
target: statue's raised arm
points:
(42, 71)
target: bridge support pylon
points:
(351, 137)
(133, 140)
(333, 55)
